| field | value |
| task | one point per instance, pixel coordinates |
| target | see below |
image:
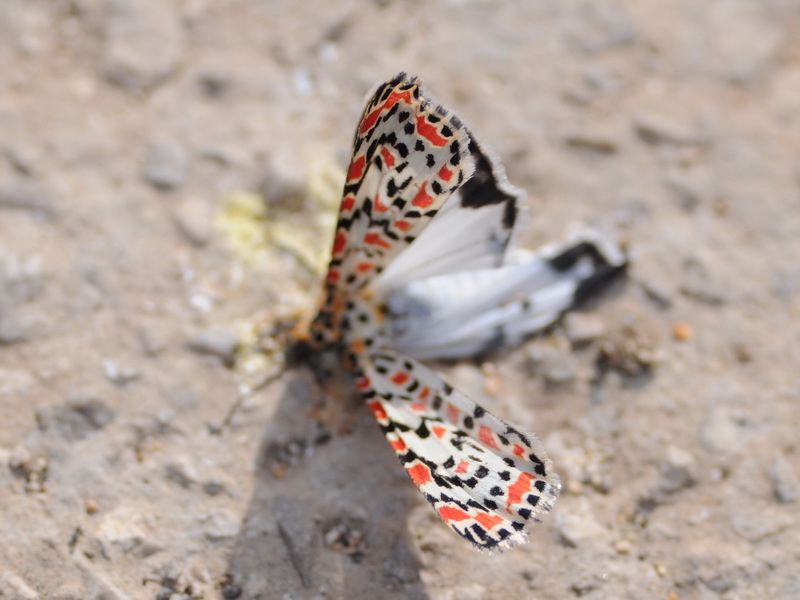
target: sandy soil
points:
(671, 408)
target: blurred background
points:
(170, 173)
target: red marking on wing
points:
(426, 391)
(399, 445)
(488, 521)
(519, 487)
(370, 120)
(462, 467)
(377, 410)
(429, 132)
(420, 474)
(403, 225)
(363, 383)
(519, 450)
(487, 437)
(445, 174)
(450, 513)
(400, 378)
(419, 407)
(439, 431)
(380, 206)
(339, 242)
(422, 199)
(333, 276)
(375, 239)
(347, 203)
(452, 413)
(364, 267)
(387, 157)
(356, 169)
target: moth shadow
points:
(328, 514)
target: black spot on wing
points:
(391, 112)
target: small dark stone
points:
(231, 591)
(213, 84)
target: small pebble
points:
(656, 129)
(583, 328)
(149, 343)
(722, 430)
(342, 538)
(594, 141)
(656, 293)
(194, 219)
(578, 526)
(681, 331)
(471, 591)
(557, 366)
(678, 470)
(120, 375)
(22, 193)
(601, 79)
(180, 471)
(213, 488)
(91, 506)
(217, 341)
(559, 369)
(698, 286)
(166, 165)
(17, 329)
(124, 529)
(623, 547)
(742, 352)
(220, 526)
(231, 591)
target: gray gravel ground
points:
(671, 408)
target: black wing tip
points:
(597, 282)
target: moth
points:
(425, 266)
